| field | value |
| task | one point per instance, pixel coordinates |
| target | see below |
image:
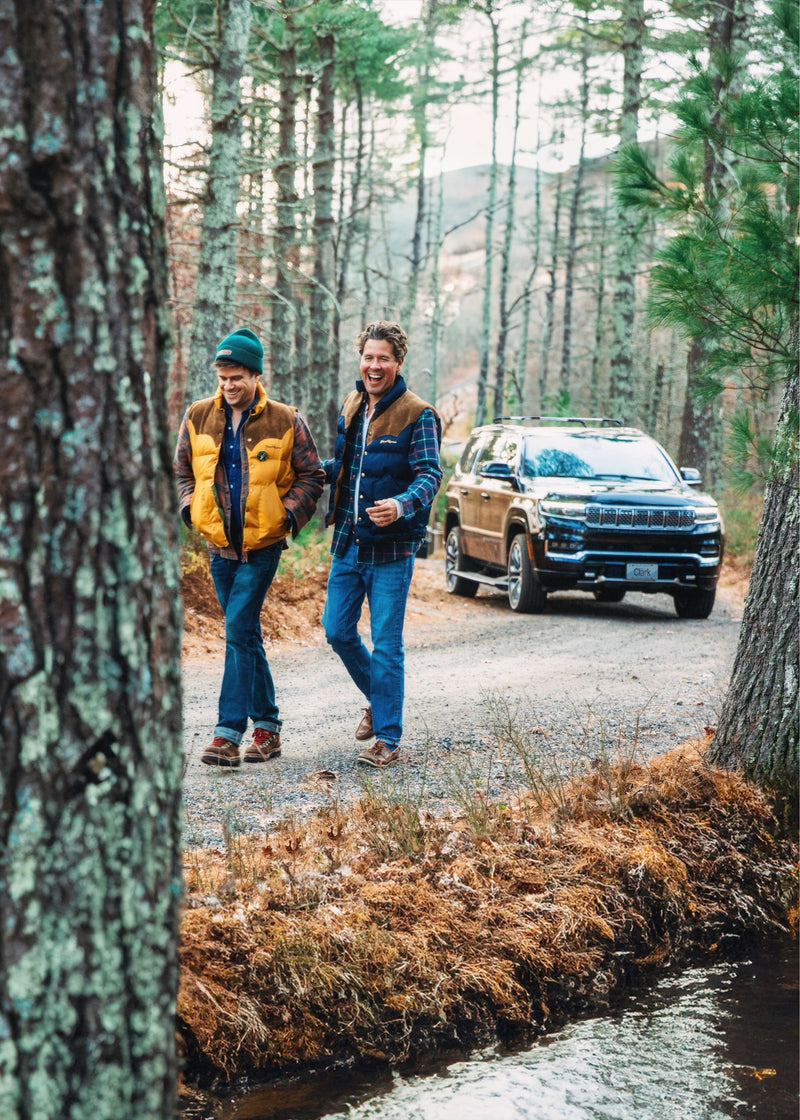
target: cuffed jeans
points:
(247, 687)
(378, 675)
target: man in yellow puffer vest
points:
(248, 475)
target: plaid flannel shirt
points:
(424, 462)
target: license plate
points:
(641, 571)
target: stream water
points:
(708, 1043)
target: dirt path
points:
(582, 678)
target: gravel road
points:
(582, 679)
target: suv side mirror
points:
(496, 469)
(691, 476)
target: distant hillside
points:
(464, 203)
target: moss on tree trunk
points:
(90, 753)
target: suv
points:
(583, 503)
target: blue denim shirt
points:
(231, 453)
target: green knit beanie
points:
(242, 348)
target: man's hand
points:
(384, 512)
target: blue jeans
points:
(247, 686)
(378, 675)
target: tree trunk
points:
(621, 390)
(90, 743)
(549, 302)
(347, 225)
(486, 307)
(701, 426)
(365, 267)
(758, 724)
(598, 349)
(572, 229)
(503, 325)
(521, 364)
(419, 100)
(286, 250)
(215, 295)
(701, 435)
(436, 294)
(323, 403)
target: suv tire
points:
(453, 560)
(609, 594)
(694, 604)
(525, 593)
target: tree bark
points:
(286, 248)
(349, 221)
(486, 306)
(436, 294)
(598, 349)
(550, 301)
(565, 373)
(90, 705)
(323, 403)
(621, 390)
(215, 295)
(419, 100)
(701, 426)
(504, 315)
(758, 725)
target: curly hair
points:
(392, 333)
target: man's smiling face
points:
(379, 367)
(238, 385)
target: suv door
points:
(468, 496)
(490, 498)
(496, 495)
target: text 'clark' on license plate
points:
(641, 571)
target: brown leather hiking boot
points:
(364, 729)
(221, 752)
(379, 755)
(265, 745)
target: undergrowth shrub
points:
(741, 514)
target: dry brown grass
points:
(316, 946)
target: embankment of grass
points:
(376, 933)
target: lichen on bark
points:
(90, 754)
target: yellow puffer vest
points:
(266, 471)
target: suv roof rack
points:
(584, 420)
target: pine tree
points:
(90, 740)
(215, 296)
(731, 270)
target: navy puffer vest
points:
(385, 471)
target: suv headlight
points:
(575, 509)
(704, 515)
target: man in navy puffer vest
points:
(384, 475)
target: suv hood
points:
(633, 492)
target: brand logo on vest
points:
(261, 456)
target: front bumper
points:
(632, 562)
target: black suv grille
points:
(638, 517)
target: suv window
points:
(500, 447)
(588, 455)
(467, 460)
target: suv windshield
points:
(580, 454)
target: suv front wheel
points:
(694, 604)
(525, 592)
(456, 585)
